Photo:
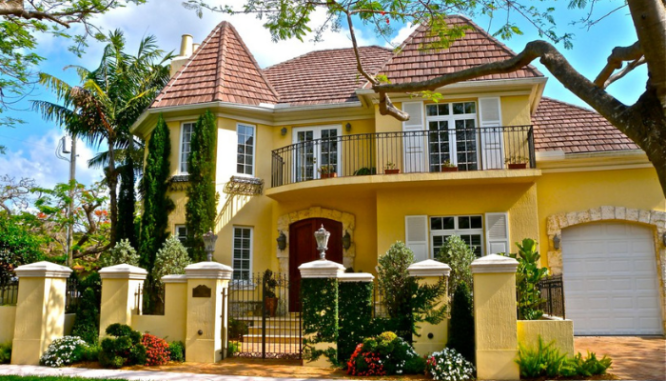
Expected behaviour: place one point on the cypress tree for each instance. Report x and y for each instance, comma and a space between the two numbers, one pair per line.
156, 202
461, 332
126, 202
201, 204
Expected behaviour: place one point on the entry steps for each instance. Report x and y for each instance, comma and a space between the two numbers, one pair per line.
280, 330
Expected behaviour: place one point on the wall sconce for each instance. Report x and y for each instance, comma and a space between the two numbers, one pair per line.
348, 127
556, 242
346, 240
283, 131
282, 241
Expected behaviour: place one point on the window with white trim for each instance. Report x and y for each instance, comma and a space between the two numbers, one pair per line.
245, 151
468, 228
452, 136
181, 233
242, 253
185, 145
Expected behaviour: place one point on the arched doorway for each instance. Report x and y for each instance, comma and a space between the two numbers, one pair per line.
303, 249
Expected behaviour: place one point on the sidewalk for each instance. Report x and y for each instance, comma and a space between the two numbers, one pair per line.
30, 370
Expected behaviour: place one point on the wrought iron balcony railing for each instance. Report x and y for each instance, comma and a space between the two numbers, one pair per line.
468, 149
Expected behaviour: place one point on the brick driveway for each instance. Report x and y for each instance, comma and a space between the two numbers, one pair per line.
634, 358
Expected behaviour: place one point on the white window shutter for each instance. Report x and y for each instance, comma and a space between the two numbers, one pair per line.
497, 233
414, 145
492, 135
415, 111
416, 236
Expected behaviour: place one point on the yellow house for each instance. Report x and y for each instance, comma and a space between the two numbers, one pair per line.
302, 144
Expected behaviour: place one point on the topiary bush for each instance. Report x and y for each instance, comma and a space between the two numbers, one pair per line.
5, 352
64, 351
177, 351
449, 365
157, 350
459, 257
122, 253
384, 354
172, 258
124, 348
461, 332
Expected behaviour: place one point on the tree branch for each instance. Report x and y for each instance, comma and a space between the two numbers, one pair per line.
631, 66
616, 59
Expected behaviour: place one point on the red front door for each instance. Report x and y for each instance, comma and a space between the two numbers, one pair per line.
303, 249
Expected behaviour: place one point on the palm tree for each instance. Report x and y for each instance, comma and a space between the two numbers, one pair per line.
108, 101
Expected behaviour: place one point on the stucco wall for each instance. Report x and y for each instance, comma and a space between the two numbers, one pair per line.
558, 331
7, 320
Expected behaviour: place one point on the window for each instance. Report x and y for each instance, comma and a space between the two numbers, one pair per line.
452, 135
181, 233
245, 154
185, 145
242, 253
468, 228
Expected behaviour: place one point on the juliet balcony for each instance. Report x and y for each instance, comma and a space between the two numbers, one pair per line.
403, 152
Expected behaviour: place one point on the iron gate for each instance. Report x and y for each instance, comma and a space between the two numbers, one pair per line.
260, 321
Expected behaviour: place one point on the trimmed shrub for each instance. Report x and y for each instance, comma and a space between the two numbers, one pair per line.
384, 355
91, 352
157, 350
459, 257
5, 353
449, 365
124, 348
461, 332
177, 351
64, 351
86, 324
122, 253
354, 316
397, 287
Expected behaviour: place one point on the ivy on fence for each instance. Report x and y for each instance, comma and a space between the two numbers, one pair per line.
320, 317
355, 316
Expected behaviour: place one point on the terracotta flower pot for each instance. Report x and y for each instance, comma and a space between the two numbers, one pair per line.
518, 166
449, 169
392, 171
328, 175
271, 305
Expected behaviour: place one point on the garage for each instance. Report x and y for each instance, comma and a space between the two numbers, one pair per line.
610, 279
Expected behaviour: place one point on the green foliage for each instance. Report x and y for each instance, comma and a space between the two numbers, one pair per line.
319, 298
5, 352
546, 360
156, 203
91, 352
86, 323
237, 328
528, 276
126, 203
461, 332
123, 348
201, 207
64, 351
384, 354
234, 347
122, 253
448, 364
18, 246
177, 351
171, 259
355, 306
459, 257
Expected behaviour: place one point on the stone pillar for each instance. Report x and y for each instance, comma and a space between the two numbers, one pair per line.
311, 272
40, 310
495, 317
433, 336
120, 290
206, 329
175, 305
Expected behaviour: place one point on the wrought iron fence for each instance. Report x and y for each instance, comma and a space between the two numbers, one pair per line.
73, 294
264, 317
460, 149
9, 292
552, 291
150, 303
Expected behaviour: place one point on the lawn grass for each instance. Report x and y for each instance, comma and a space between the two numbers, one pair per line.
51, 378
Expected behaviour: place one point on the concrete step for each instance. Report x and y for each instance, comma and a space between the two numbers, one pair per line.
272, 339
292, 331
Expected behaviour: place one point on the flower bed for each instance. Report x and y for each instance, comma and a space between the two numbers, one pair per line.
384, 355
449, 365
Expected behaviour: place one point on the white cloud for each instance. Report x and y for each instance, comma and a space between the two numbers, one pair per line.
402, 35
41, 164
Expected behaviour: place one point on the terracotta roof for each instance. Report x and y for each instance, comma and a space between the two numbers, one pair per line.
324, 76
476, 48
222, 69
573, 129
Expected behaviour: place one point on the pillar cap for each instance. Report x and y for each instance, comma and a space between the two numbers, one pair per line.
42, 269
174, 278
208, 270
355, 277
429, 267
123, 271
494, 263
321, 268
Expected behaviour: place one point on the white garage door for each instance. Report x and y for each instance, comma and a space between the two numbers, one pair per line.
610, 279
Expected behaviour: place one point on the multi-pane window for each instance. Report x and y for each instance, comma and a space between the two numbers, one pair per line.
468, 228
452, 135
181, 233
185, 145
245, 153
242, 253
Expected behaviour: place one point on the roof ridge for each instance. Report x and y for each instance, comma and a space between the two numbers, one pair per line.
220, 68
322, 50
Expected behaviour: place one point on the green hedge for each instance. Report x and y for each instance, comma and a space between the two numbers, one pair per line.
320, 316
355, 316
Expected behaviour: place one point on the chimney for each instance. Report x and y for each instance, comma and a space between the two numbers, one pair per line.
186, 50
186, 45
195, 47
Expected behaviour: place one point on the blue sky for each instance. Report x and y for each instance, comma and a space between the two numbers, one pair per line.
30, 147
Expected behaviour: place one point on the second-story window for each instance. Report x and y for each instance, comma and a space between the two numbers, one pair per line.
185, 145
245, 152
452, 137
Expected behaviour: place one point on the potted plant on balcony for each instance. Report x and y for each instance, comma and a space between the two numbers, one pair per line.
327, 171
517, 162
270, 298
447, 166
390, 168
